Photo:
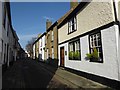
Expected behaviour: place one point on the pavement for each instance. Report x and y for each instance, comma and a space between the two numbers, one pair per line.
34, 74
75, 80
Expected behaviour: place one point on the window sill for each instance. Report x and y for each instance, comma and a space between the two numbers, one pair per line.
75, 59
96, 60
72, 32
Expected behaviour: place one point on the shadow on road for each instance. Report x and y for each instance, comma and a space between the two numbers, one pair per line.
28, 73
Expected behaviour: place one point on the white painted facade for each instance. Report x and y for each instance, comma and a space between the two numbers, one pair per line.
8, 37
119, 35
4, 37
0, 33
109, 68
42, 48
94, 15
0, 45
33, 51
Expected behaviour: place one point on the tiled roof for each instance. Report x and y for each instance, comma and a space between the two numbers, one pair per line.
63, 17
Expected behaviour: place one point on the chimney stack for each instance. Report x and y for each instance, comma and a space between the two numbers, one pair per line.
73, 3
48, 24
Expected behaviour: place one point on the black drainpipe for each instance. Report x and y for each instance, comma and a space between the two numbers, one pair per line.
115, 12
118, 23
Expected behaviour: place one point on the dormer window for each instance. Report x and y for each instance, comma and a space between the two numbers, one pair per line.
72, 25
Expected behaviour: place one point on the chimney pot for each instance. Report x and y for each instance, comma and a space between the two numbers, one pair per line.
48, 24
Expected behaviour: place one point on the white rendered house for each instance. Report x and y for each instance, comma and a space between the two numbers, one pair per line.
42, 47
92, 25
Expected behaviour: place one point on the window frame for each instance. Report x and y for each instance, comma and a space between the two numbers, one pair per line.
52, 53
73, 43
71, 24
52, 34
98, 47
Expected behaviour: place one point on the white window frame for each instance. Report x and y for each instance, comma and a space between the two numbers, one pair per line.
73, 48
95, 42
52, 53
71, 23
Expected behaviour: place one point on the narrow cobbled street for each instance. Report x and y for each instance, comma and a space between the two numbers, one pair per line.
29, 74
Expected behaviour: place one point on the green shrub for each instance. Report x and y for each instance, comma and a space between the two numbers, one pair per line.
76, 55
89, 55
71, 55
93, 55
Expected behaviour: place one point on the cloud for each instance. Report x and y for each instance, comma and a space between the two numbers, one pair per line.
27, 37
45, 17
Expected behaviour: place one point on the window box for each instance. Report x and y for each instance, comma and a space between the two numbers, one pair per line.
74, 50
96, 60
71, 55
95, 45
93, 57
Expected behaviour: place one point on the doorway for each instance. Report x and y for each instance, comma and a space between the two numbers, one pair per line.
62, 56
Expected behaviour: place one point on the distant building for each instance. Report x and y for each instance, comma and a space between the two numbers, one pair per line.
42, 47
28, 55
36, 48
51, 43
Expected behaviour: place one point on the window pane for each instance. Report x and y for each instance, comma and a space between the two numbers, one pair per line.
75, 27
99, 43
74, 50
72, 25
95, 42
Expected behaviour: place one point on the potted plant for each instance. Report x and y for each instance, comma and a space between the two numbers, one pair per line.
93, 56
76, 55
71, 55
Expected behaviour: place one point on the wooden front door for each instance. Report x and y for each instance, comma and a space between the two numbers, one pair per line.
62, 56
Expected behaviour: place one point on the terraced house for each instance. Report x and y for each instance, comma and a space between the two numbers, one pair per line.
51, 43
9, 45
36, 45
41, 48
88, 39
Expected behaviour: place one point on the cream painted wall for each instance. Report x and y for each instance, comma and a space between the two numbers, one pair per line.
94, 15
